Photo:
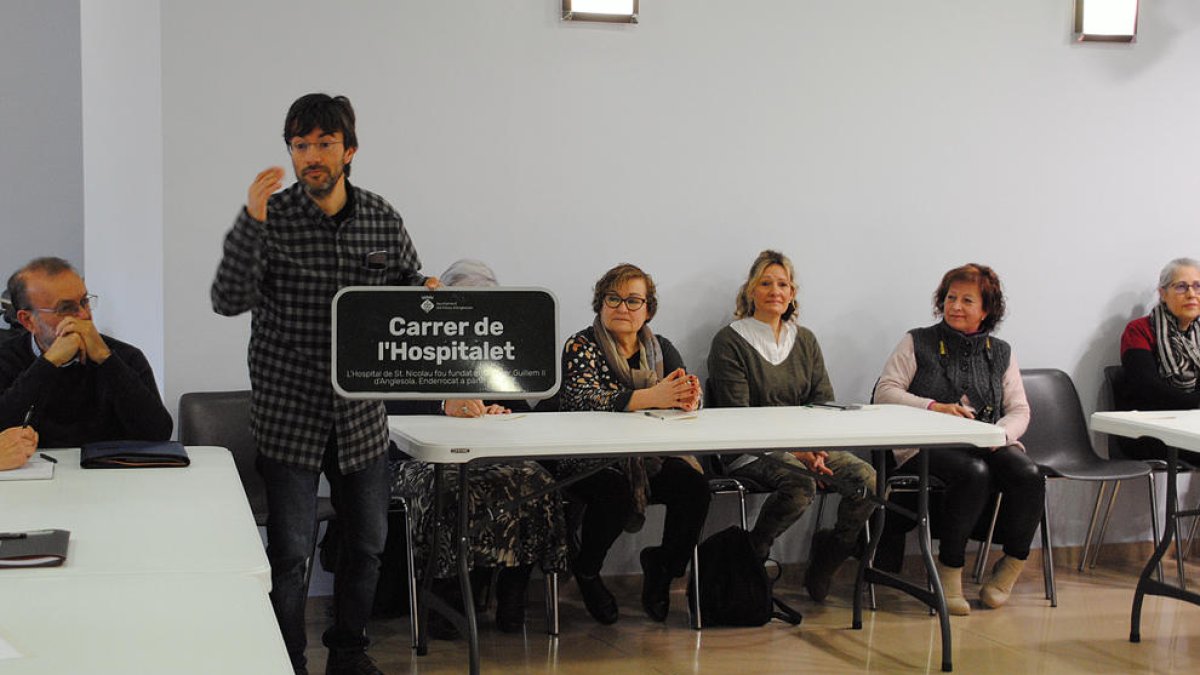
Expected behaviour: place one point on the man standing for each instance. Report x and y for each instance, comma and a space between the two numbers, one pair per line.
285, 258
64, 378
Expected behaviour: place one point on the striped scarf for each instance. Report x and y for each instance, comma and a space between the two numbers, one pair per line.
1177, 352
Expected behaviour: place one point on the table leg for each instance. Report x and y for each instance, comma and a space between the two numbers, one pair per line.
425, 595
933, 596
464, 567
1147, 585
877, 519
939, 596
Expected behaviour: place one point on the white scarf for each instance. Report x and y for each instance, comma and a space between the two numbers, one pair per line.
762, 338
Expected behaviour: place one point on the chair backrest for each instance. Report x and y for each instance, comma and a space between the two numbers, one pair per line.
1116, 391
1058, 433
222, 418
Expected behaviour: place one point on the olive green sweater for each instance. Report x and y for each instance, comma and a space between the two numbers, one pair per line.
739, 376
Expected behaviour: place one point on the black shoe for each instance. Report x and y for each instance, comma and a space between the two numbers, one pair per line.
599, 601
826, 556
656, 584
350, 663
511, 584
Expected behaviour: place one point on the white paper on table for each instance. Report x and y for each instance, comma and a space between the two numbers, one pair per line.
37, 468
8, 651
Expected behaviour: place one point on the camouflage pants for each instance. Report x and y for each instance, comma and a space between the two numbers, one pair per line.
792, 493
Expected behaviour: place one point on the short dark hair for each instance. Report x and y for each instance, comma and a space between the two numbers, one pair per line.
619, 275
18, 291
989, 291
328, 113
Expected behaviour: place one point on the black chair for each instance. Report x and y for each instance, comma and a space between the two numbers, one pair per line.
222, 418
1122, 447
1058, 440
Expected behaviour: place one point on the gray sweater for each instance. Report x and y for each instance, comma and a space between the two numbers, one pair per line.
739, 376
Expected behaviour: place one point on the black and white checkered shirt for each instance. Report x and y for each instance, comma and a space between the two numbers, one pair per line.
286, 272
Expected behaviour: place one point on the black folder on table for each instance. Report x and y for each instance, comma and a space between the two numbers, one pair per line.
133, 455
40, 548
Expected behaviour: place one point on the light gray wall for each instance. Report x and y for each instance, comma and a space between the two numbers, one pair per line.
41, 173
123, 169
877, 143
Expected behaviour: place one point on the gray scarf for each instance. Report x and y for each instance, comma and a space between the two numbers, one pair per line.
1177, 352
648, 373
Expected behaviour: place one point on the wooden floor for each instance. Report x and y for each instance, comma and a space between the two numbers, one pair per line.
1087, 632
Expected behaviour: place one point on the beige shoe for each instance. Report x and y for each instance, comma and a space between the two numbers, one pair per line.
995, 592
951, 578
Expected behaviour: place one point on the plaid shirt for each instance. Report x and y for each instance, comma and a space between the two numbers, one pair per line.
286, 272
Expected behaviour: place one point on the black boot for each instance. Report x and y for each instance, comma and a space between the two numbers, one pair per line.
825, 556
599, 601
511, 584
656, 584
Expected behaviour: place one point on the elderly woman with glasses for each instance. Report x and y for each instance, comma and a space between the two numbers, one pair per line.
765, 358
957, 367
619, 364
1161, 351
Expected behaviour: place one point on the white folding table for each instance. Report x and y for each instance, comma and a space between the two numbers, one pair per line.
165, 573
180, 624
192, 520
1175, 429
458, 441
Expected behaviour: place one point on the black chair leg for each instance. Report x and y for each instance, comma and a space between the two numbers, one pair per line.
985, 547
1048, 556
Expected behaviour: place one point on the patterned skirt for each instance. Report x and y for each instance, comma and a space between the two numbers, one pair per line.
532, 533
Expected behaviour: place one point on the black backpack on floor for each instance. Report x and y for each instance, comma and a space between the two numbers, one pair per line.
735, 589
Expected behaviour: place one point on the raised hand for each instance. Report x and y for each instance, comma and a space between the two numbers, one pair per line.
265, 184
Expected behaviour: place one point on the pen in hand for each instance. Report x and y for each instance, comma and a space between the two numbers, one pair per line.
28, 417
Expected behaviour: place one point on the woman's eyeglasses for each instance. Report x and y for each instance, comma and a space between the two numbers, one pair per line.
1181, 287
632, 303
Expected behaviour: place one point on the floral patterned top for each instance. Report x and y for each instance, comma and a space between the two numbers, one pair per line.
589, 384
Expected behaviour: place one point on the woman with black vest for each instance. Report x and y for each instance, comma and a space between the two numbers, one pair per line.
958, 368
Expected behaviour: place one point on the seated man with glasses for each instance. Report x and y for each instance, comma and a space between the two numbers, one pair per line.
66, 380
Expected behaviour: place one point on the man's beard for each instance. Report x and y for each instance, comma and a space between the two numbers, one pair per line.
322, 189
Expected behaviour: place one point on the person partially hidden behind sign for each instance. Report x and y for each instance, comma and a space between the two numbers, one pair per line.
511, 539
765, 358
64, 378
619, 364
17, 445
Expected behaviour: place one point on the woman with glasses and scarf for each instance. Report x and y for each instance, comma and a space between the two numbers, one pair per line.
1161, 352
958, 368
619, 364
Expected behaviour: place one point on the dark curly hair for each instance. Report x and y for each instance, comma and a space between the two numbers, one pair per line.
619, 275
989, 291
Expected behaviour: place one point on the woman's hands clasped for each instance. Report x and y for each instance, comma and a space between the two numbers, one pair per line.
677, 390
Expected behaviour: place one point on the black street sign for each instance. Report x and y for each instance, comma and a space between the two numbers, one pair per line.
412, 343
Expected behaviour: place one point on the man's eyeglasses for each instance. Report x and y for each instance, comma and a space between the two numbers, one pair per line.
1181, 287
632, 303
301, 147
70, 307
